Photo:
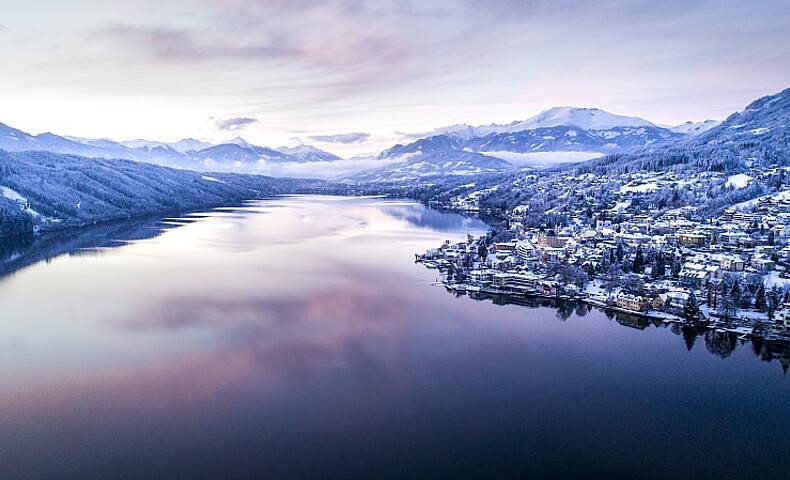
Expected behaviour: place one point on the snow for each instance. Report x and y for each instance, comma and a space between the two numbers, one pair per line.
621, 206
692, 128
759, 131
643, 188
778, 196
13, 195
211, 179
773, 278
584, 118
738, 181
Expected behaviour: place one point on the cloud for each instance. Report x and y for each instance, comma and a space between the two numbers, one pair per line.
2, 28
345, 45
353, 137
234, 124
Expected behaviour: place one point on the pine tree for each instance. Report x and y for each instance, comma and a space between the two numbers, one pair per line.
735, 293
691, 309
639, 261
760, 302
676, 266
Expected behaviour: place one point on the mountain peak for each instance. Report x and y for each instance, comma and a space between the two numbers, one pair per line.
695, 128
584, 118
239, 141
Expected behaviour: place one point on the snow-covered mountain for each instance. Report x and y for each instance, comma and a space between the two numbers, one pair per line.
237, 155
181, 146
308, 153
564, 138
190, 145
430, 163
695, 128
574, 134
234, 155
583, 118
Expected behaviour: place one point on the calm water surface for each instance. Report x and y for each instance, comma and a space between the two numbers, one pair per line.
296, 338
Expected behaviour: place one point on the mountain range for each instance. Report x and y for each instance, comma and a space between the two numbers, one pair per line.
234, 156
555, 136
695, 171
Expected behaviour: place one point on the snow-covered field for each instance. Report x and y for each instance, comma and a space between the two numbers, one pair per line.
738, 181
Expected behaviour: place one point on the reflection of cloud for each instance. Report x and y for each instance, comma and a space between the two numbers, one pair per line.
234, 124
353, 137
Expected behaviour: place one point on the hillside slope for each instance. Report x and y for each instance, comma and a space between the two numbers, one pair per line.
44, 191
757, 136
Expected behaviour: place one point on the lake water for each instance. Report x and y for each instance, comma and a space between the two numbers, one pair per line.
296, 338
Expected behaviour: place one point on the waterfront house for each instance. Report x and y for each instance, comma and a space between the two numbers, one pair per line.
636, 303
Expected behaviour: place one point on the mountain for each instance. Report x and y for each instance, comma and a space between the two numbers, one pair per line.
307, 153
545, 139
695, 128
756, 136
406, 166
582, 118
696, 173
44, 190
190, 145
566, 138
587, 132
235, 155
14, 140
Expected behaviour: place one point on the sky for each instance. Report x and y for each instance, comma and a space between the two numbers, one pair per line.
354, 76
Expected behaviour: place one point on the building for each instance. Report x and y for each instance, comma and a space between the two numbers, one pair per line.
733, 264
762, 264
515, 282
634, 303
692, 239
553, 241
525, 250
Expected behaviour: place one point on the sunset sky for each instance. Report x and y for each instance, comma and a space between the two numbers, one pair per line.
352, 76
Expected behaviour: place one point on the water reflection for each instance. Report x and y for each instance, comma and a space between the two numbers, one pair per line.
18, 253
296, 338
718, 342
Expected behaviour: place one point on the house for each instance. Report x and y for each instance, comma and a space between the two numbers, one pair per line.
636, 303
733, 264
676, 302
692, 239
553, 241
694, 274
762, 264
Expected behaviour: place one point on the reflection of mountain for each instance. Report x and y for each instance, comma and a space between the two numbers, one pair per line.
420, 216
16, 254
719, 343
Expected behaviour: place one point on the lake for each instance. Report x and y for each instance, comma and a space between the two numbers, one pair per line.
297, 338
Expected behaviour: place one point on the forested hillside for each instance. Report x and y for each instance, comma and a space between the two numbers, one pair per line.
44, 191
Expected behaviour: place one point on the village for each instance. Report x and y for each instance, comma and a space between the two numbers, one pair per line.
729, 273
